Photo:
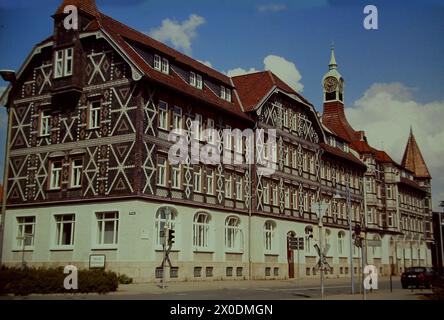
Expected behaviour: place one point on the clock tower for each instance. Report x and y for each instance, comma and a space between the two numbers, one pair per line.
333, 83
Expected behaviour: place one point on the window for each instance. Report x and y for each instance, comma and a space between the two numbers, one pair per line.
239, 188
286, 156
229, 271
228, 139
157, 62
177, 118
63, 63
163, 115
176, 176
295, 200
209, 272
94, 115
233, 233
294, 123
197, 272
161, 172
192, 79
229, 186
76, 173
197, 179
266, 193
285, 112
210, 131
239, 271
45, 123
201, 228
269, 235
275, 195
25, 231
294, 159
165, 66
308, 237
210, 182
225, 93
287, 198
198, 127
65, 229
163, 216
389, 192
341, 236
199, 82
107, 228
55, 179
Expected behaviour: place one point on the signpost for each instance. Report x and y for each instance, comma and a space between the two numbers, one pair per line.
320, 208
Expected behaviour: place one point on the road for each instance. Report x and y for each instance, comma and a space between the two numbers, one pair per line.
261, 291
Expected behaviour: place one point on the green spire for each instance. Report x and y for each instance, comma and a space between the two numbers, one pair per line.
333, 64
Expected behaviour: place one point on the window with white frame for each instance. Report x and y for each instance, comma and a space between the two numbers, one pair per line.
76, 173
177, 118
197, 179
165, 66
266, 193
210, 131
341, 236
285, 112
269, 228
192, 79
287, 156
161, 171
295, 200
176, 176
45, 123
94, 115
25, 232
275, 195
239, 144
233, 234
63, 63
239, 188
163, 115
201, 229
228, 139
55, 174
294, 159
199, 82
225, 93
287, 198
210, 181
107, 228
228, 186
65, 228
198, 127
162, 217
157, 62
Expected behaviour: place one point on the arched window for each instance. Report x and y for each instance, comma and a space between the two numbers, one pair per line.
233, 233
201, 227
341, 236
269, 227
165, 218
327, 236
308, 238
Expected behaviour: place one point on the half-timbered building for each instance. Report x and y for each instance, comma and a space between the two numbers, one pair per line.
88, 173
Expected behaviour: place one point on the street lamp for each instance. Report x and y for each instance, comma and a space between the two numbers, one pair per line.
320, 208
440, 235
347, 197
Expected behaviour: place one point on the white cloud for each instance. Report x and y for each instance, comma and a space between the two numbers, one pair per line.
284, 69
239, 71
386, 112
179, 34
207, 63
271, 7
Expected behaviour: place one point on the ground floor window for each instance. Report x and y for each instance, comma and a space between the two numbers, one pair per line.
65, 229
25, 231
107, 228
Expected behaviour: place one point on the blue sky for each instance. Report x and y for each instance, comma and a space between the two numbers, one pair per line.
407, 49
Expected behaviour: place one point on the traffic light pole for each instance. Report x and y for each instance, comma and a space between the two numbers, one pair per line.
165, 241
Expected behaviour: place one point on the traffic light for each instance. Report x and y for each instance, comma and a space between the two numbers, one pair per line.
357, 230
171, 236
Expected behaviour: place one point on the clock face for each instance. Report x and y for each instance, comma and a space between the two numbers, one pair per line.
330, 84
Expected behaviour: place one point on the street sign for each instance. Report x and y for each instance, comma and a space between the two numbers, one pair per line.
296, 243
374, 243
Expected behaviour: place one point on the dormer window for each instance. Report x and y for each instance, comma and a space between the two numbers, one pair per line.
161, 64
63, 63
196, 80
94, 115
225, 93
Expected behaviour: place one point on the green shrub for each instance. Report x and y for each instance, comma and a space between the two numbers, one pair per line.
50, 281
124, 279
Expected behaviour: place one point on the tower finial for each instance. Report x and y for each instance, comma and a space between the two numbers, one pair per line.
333, 64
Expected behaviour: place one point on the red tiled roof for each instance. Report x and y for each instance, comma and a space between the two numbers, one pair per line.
88, 6
253, 87
413, 159
121, 34
344, 155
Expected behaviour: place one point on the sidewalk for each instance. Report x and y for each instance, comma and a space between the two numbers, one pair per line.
397, 294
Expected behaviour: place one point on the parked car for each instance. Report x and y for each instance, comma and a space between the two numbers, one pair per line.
418, 277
